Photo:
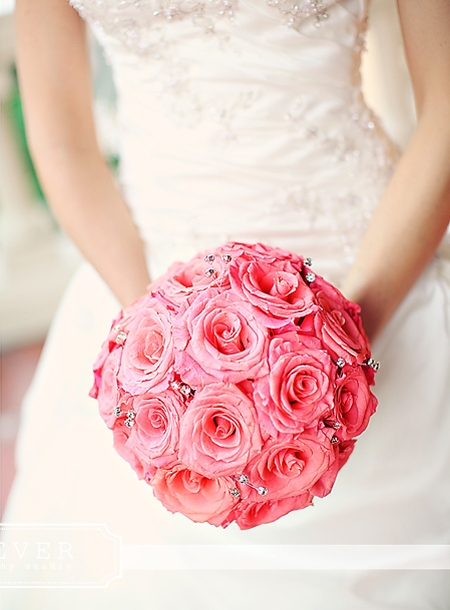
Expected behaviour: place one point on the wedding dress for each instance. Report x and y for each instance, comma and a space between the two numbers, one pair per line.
244, 120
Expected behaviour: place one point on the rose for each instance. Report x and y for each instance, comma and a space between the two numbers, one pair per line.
198, 497
324, 485
276, 289
258, 251
299, 387
354, 403
221, 333
108, 392
155, 432
148, 351
251, 514
338, 324
289, 465
184, 280
219, 431
121, 435
107, 347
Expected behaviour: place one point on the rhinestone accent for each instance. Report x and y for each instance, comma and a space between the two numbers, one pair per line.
129, 423
374, 364
308, 261
175, 385
210, 272
121, 337
336, 425
334, 439
131, 414
243, 478
186, 390
209, 258
340, 362
263, 491
227, 258
310, 276
235, 492
117, 412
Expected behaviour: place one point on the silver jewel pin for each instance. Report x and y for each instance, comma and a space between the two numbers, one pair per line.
121, 337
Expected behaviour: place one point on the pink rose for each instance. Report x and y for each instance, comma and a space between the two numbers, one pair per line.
184, 280
219, 431
154, 435
198, 497
277, 290
223, 335
108, 346
108, 393
289, 466
339, 327
354, 403
259, 251
248, 515
299, 387
148, 351
324, 485
121, 435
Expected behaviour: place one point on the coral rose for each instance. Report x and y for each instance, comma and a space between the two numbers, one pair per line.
155, 432
188, 492
219, 431
148, 352
299, 387
222, 333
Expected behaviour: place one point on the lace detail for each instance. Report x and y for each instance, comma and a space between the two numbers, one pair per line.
133, 24
295, 12
343, 145
203, 12
130, 22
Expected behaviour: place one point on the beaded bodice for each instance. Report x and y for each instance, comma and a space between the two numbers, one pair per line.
243, 119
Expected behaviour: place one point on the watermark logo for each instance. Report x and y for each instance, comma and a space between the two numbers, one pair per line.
59, 555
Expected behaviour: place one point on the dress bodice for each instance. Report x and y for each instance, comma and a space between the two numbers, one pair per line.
243, 119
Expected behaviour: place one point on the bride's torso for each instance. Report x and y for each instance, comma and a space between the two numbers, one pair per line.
244, 119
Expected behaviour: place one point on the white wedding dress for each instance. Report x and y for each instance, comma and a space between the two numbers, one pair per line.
244, 120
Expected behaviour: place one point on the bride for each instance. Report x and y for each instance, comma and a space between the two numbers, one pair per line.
243, 120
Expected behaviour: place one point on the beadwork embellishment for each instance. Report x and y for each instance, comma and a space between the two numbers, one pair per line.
297, 11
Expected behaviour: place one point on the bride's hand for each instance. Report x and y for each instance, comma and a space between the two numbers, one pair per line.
414, 212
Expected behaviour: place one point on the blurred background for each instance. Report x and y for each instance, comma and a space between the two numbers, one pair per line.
37, 260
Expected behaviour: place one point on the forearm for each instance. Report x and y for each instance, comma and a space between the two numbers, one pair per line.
407, 226
55, 84
88, 205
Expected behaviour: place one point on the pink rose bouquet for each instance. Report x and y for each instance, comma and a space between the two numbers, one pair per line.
237, 385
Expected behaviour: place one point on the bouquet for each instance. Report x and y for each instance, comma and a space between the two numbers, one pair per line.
237, 385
